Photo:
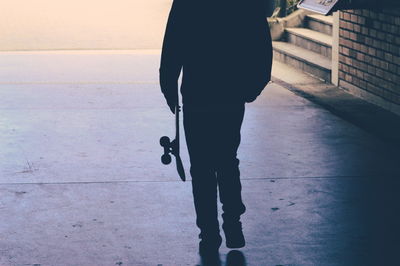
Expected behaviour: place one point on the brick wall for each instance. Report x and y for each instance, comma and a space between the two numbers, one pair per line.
369, 55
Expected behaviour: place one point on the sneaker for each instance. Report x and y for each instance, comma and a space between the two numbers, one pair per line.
209, 246
234, 235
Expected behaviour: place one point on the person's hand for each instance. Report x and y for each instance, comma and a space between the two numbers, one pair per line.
171, 105
172, 101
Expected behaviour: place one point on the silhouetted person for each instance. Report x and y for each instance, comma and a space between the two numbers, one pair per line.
224, 49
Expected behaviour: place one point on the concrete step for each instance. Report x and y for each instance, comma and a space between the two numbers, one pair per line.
319, 23
311, 40
310, 62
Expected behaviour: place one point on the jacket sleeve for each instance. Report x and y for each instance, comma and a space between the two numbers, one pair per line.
261, 74
171, 57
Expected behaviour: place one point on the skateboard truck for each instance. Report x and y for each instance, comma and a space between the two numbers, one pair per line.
172, 147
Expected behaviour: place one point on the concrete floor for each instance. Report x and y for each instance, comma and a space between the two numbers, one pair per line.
81, 181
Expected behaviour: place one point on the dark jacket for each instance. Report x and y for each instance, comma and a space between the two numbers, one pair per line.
224, 48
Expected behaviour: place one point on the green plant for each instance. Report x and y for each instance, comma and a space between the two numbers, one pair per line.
283, 8
292, 6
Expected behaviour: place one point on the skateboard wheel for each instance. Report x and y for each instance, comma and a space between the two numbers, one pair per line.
166, 159
165, 141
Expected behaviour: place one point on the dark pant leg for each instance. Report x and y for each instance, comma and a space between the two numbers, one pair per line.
200, 140
213, 137
228, 174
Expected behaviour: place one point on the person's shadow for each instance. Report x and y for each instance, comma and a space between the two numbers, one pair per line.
234, 258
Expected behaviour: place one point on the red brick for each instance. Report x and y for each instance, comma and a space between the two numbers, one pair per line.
371, 51
389, 57
360, 56
379, 72
381, 35
356, 46
346, 51
388, 76
376, 62
396, 60
354, 18
389, 38
364, 48
363, 84
365, 31
346, 34
348, 61
350, 26
380, 54
373, 15
377, 25
368, 59
355, 37
373, 33
384, 46
371, 69
361, 20
362, 65
356, 81
375, 43
369, 41
384, 65
348, 78
374, 89
360, 73
397, 81
394, 49
393, 68
358, 37
348, 43
353, 71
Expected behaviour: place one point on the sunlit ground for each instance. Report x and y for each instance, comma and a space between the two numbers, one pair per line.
82, 24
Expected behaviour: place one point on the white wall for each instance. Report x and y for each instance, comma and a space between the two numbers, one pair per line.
82, 24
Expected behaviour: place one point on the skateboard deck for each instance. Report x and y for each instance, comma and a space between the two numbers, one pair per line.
173, 147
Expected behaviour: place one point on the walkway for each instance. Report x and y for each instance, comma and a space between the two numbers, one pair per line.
81, 181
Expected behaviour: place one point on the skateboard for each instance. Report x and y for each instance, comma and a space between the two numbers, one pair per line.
172, 147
